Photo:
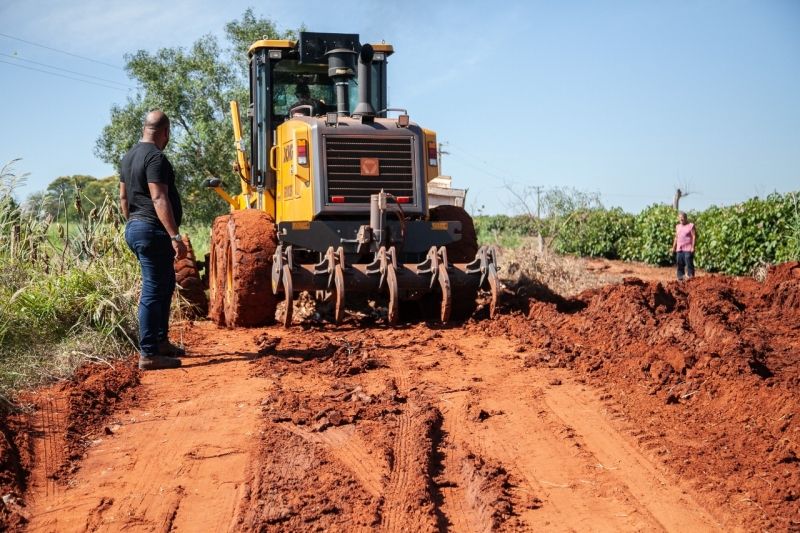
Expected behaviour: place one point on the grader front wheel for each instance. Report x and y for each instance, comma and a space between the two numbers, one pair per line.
216, 270
464, 250
248, 296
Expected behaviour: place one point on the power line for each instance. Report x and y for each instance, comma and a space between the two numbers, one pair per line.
483, 163
61, 51
481, 170
62, 75
65, 70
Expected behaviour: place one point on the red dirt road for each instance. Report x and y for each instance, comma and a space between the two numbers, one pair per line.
445, 431
176, 458
637, 407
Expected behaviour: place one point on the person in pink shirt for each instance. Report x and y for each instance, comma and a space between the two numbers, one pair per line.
683, 246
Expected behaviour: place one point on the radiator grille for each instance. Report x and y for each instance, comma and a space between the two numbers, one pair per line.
343, 163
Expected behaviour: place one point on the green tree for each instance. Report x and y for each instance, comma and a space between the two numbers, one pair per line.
62, 193
194, 87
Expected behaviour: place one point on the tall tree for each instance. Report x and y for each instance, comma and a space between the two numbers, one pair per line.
194, 87
60, 197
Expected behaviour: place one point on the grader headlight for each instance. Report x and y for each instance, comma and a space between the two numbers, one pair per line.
302, 152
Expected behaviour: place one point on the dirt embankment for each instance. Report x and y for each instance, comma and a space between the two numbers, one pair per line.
53, 431
707, 373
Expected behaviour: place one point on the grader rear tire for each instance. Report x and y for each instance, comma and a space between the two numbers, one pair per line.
188, 284
216, 270
252, 240
462, 251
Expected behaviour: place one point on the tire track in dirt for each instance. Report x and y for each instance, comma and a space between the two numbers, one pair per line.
408, 500
472, 499
507, 414
175, 461
649, 486
455, 494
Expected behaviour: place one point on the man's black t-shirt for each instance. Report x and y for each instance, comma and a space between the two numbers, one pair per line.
143, 164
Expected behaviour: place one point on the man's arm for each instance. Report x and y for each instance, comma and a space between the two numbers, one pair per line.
159, 194
123, 200
694, 236
675, 242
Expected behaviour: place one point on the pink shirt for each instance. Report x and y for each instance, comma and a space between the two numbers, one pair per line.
683, 233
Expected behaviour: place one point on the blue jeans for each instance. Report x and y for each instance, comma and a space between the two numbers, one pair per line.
153, 248
685, 261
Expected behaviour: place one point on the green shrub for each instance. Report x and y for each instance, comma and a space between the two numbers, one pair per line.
594, 232
650, 238
737, 238
732, 239
503, 230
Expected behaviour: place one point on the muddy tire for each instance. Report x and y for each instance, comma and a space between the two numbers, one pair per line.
216, 270
188, 284
248, 296
462, 251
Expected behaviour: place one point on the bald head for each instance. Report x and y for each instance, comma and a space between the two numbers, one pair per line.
156, 128
156, 121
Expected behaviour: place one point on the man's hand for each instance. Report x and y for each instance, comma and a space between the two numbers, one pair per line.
180, 249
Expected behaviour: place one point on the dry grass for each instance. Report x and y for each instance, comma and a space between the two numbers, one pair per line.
68, 297
564, 275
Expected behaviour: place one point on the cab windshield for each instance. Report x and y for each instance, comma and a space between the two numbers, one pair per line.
295, 84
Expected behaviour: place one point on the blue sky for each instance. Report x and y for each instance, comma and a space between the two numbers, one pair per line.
628, 99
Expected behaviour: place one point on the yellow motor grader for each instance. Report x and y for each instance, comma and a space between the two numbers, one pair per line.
334, 194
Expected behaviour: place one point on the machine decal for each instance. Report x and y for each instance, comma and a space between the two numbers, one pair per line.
288, 192
439, 226
288, 152
370, 166
301, 225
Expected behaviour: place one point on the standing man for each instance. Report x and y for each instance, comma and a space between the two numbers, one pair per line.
683, 246
151, 205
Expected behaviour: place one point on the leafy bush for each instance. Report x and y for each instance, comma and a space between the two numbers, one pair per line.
504, 230
650, 238
737, 238
732, 239
594, 232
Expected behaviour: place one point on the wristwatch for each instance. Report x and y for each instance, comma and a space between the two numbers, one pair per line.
177, 237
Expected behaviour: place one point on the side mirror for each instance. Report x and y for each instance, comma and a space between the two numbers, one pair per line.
213, 183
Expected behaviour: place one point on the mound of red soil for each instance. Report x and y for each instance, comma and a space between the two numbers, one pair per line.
94, 393
711, 368
59, 426
15, 463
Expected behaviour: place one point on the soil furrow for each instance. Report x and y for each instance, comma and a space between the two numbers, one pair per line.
665, 501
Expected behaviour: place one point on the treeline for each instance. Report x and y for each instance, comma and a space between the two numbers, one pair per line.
732, 239
67, 198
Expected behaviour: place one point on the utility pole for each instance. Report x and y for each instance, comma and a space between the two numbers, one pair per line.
441, 153
539, 238
538, 189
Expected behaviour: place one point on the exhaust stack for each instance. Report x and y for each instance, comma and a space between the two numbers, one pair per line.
364, 108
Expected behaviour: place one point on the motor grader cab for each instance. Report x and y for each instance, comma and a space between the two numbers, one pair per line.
334, 194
